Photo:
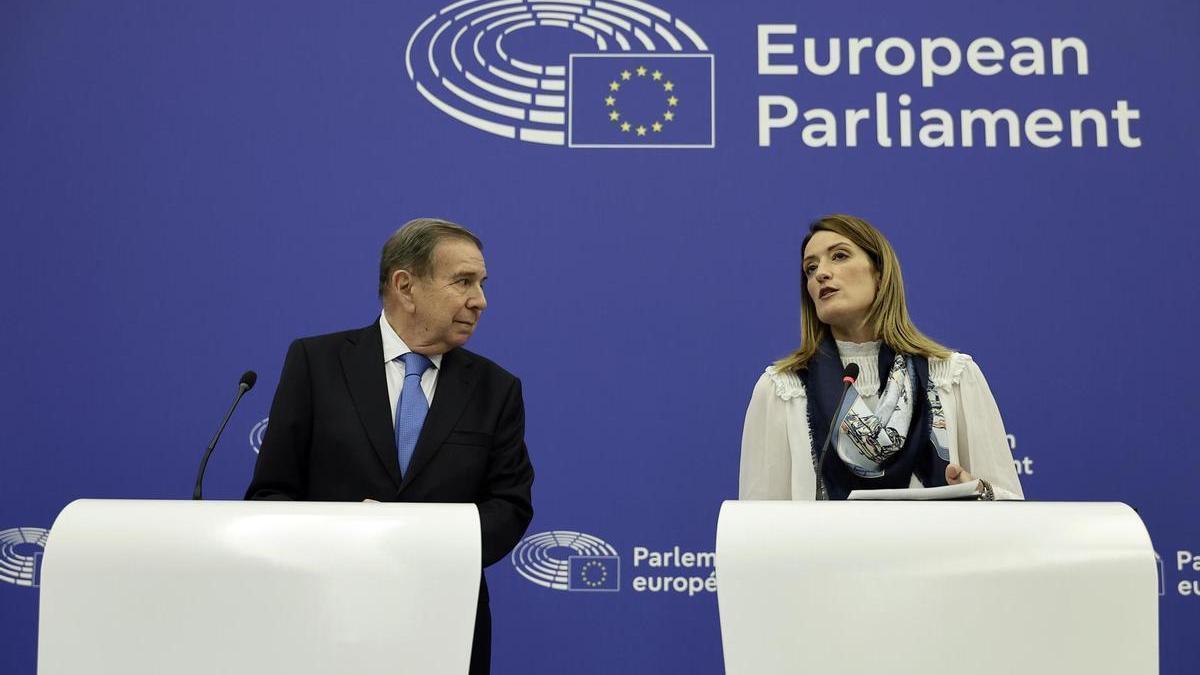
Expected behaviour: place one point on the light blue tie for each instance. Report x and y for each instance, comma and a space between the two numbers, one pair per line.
410, 408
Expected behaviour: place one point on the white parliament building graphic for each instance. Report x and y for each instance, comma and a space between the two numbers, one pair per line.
257, 432
629, 75
20, 553
565, 560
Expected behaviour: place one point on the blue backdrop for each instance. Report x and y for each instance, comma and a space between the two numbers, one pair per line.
185, 187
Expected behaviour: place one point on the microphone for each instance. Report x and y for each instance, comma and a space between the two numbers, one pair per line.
849, 375
244, 385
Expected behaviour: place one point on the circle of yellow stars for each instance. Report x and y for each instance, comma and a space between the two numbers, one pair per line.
626, 126
587, 579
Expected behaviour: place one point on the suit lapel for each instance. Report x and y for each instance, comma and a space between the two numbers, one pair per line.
455, 383
362, 362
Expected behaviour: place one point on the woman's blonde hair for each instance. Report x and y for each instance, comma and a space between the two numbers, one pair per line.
888, 316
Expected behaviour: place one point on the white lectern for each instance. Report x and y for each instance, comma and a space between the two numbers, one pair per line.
200, 587
908, 588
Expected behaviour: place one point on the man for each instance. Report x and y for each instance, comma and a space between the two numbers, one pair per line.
348, 425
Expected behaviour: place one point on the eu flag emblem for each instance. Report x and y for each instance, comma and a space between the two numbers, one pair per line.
594, 573
641, 100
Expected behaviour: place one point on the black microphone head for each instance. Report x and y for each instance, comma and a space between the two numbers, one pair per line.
250, 377
850, 374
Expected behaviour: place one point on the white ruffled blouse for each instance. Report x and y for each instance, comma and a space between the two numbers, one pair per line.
777, 449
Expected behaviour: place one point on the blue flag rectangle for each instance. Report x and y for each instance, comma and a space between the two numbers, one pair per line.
594, 573
641, 100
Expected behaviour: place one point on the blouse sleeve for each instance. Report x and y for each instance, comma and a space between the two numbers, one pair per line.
982, 442
765, 471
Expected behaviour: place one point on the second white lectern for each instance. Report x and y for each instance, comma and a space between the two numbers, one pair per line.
931, 588
207, 588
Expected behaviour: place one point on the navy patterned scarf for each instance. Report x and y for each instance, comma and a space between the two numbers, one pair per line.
919, 455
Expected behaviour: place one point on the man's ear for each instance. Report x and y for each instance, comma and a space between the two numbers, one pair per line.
401, 285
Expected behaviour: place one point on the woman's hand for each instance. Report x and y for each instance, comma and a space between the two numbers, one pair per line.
955, 474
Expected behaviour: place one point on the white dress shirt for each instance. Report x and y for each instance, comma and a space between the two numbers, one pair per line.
393, 349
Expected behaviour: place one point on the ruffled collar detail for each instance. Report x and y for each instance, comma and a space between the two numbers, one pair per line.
787, 384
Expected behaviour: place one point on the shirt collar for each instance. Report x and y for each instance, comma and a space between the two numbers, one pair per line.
394, 347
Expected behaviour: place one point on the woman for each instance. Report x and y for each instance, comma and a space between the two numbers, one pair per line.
918, 415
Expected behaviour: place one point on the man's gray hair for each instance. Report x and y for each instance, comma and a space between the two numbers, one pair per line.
411, 247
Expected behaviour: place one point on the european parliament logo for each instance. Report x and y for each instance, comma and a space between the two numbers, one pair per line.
568, 561
256, 434
21, 551
610, 73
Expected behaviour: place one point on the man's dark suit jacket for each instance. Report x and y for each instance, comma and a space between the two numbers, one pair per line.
331, 438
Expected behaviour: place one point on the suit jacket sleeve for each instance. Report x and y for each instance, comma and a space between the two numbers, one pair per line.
505, 504
281, 472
